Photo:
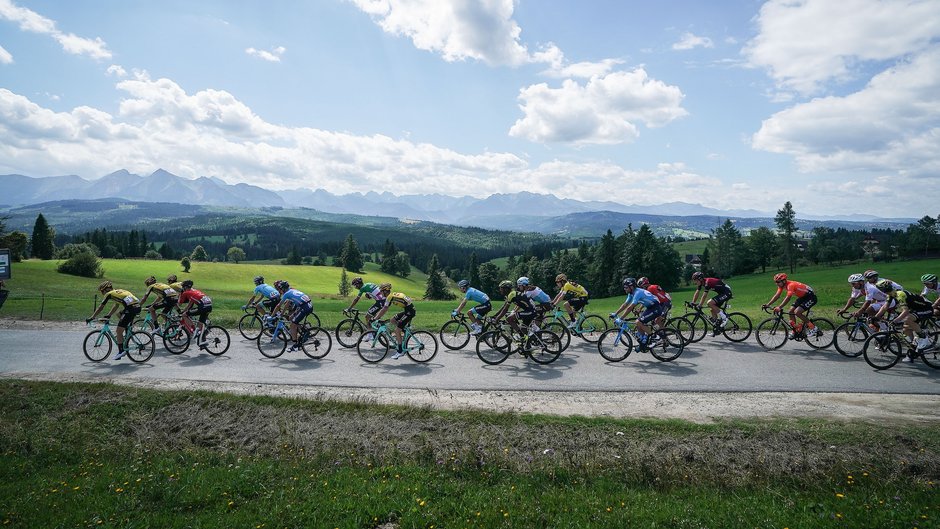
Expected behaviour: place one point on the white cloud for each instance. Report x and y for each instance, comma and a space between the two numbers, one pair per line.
584, 70
458, 29
116, 70
5, 57
31, 21
271, 56
605, 110
891, 125
806, 43
690, 41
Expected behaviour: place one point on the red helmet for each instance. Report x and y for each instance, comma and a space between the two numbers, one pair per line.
780, 277
643, 282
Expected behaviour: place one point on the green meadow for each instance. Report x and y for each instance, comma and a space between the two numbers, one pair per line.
36, 287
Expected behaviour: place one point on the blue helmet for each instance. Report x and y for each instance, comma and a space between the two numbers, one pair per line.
463, 283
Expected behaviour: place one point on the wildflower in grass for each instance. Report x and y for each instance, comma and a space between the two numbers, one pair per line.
840, 495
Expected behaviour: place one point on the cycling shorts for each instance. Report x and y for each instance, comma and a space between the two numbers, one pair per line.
923, 315
270, 303
376, 307
403, 318
806, 302
127, 315
651, 313
481, 309
301, 312
578, 303
722, 295
202, 311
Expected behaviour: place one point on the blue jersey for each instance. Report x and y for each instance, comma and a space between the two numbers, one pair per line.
642, 297
296, 297
477, 296
266, 290
538, 295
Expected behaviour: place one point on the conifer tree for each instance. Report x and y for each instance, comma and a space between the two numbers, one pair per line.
42, 245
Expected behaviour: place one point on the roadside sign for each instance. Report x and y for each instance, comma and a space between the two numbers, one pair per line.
5, 263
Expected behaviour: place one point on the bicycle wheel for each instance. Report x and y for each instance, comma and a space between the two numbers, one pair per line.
348, 332
455, 335
250, 326
97, 346
684, 326
217, 340
932, 328
273, 346
176, 339
615, 345
142, 325
771, 333
931, 358
493, 347
825, 333
592, 327
738, 327
699, 325
139, 346
667, 344
850, 337
421, 346
371, 348
883, 349
547, 347
313, 319
315, 341
560, 330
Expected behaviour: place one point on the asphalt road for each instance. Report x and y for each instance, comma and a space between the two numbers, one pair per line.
714, 365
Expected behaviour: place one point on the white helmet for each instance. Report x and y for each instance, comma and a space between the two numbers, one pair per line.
855, 278
522, 281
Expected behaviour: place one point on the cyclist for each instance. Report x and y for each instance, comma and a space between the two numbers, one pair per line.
476, 313
123, 299
717, 303
931, 288
664, 298
805, 299
174, 283
536, 296
195, 303
874, 298
857, 281
268, 296
914, 309
653, 309
371, 291
524, 311
575, 296
167, 298
400, 320
300, 306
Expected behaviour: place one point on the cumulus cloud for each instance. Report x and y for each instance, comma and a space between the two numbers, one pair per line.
690, 41
804, 44
31, 21
5, 57
116, 70
271, 56
583, 70
605, 110
891, 125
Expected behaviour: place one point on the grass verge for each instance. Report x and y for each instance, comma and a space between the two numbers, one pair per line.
93, 455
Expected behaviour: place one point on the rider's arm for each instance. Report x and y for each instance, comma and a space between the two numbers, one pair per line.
695, 295
782, 303
902, 316
460, 307
354, 301
621, 309
775, 298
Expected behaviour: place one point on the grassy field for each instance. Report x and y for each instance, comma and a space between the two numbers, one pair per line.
229, 285
79, 455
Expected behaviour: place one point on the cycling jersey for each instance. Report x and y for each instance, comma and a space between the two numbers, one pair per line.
913, 302
397, 298
119, 295
571, 289
371, 291
162, 290
660, 294
873, 294
267, 291
795, 288
642, 297
297, 297
477, 296
927, 290
712, 283
519, 300
537, 295
197, 297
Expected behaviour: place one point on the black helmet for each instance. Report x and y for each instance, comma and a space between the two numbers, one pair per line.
697, 275
629, 282
150, 280
187, 284
356, 282
463, 283
505, 284
259, 280
171, 278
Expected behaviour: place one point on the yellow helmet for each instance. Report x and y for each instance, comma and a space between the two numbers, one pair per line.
105, 285
150, 280
385, 287
561, 278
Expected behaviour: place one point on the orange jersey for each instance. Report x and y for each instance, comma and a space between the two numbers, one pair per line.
795, 288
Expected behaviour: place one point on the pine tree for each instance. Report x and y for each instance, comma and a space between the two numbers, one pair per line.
403, 267
605, 265
436, 285
473, 270
344, 286
786, 224
389, 263
42, 244
350, 257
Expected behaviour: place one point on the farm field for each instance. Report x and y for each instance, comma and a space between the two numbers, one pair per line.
71, 298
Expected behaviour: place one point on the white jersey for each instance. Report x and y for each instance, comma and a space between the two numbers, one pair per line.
857, 292
873, 294
927, 290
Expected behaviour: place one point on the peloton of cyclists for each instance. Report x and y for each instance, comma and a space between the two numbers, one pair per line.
875, 299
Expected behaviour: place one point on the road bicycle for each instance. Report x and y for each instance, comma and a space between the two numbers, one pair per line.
349, 330
496, 345
314, 341
773, 332
736, 328
138, 346
615, 345
253, 322
151, 325
589, 327
884, 349
850, 337
182, 331
455, 334
374, 344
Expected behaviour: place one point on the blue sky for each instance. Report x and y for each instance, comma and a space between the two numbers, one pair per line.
834, 106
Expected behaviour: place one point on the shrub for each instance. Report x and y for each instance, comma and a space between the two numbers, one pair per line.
70, 250
84, 264
153, 255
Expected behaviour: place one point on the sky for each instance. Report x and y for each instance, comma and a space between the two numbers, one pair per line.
834, 106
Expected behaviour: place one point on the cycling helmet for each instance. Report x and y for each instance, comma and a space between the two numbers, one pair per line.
870, 274
105, 285
629, 282
780, 277
698, 275
187, 284
150, 280
284, 285
928, 278
561, 278
522, 281
505, 284
259, 280
171, 278
855, 278
643, 282
463, 283
884, 285
356, 282
385, 287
